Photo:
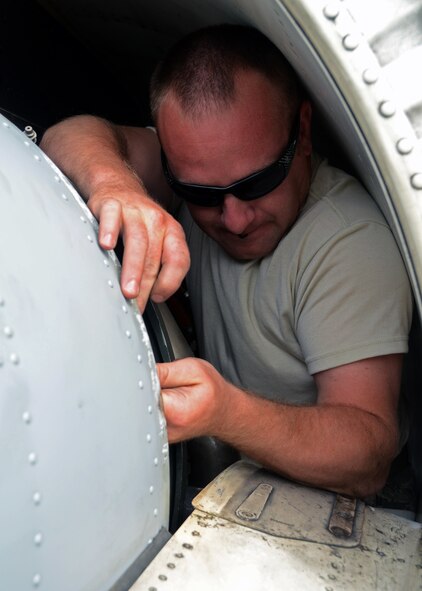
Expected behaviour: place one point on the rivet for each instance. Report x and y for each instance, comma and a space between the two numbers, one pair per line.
6, 124
155, 461
155, 512
8, 332
140, 384
124, 308
196, 533
111, 284
162, 577
36, 580
83, 219
14, 358
139, 358
149, 438
32, 458
332, 10
351, 41
187, 546
37, 157
416, 180
106, 263
149, 409
150, 541
57, 178
387, 108
64, 197
151, 490
171, 565
36, 497
404, 146
90, 238
26, 417
370, 76
179, 555
152, 588
1, 361
27, 143
38, 539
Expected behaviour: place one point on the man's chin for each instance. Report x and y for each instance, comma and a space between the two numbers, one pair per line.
242, 251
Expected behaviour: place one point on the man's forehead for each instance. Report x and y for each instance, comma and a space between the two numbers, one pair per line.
251, 87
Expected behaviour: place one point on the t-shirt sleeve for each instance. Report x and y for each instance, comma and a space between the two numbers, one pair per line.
353, 299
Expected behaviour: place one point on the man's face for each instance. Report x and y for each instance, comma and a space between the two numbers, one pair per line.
220, 148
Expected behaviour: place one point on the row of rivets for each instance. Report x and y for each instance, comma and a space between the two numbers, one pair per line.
171, 566
386, 108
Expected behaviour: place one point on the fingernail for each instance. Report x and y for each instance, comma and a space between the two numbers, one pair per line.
131, 287
107, 240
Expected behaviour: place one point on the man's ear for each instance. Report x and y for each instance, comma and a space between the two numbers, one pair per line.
305, 140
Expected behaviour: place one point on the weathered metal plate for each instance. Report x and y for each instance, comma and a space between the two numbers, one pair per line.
209, 553
242, 494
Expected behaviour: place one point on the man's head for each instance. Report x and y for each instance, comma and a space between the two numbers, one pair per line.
225, 102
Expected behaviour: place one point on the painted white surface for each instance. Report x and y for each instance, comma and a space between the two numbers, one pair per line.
83, 449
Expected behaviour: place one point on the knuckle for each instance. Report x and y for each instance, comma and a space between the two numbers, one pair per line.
158, 217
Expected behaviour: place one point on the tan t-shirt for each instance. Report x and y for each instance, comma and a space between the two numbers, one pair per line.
334, 291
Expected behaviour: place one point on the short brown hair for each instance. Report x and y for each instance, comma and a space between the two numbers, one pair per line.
200, 69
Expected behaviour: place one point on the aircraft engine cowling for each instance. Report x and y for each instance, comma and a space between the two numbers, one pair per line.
83, 447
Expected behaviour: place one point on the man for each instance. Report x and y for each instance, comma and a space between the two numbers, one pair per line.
300, 299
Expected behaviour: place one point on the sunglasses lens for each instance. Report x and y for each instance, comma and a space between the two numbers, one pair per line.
206, 197
261, 185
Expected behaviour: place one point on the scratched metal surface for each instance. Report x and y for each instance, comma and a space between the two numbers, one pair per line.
213, 552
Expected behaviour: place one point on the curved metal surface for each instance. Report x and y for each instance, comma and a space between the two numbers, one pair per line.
83, 447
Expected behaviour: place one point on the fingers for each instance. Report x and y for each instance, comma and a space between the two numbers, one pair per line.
176, 373
136, 241
156, 256
175, 263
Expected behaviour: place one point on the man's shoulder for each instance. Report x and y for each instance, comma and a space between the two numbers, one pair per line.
334, 194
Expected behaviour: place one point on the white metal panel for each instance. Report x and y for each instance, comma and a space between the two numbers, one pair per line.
83, 448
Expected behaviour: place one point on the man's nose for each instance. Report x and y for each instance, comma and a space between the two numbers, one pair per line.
236, 214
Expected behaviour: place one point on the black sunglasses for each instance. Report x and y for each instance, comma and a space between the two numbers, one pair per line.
255, 185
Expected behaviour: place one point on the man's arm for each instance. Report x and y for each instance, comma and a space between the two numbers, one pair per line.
345, 442
106, 163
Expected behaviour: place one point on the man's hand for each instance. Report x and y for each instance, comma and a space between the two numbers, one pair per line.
106, 163
194, 398
156, 256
